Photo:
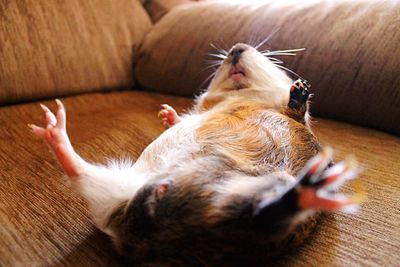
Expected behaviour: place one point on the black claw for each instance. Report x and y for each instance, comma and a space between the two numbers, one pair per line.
299, 94
308, 177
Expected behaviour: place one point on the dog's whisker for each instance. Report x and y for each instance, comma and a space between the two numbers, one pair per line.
289, 70
267, 38
220, 50
208, 78
221, 56
275, 60
213, 61
292, 51
210, 67
279, 54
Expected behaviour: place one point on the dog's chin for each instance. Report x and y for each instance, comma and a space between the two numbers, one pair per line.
237, 85
232, 84
237, 76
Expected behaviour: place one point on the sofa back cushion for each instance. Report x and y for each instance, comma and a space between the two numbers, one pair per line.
53, 48
352, 57
158, 8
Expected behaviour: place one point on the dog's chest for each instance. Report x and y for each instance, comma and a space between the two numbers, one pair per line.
247, 137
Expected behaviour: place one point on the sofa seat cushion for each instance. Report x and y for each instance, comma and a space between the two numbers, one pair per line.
43, 222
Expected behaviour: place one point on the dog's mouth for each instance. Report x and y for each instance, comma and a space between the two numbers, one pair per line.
237, 72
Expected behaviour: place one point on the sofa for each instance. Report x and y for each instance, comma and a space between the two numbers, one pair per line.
113, 63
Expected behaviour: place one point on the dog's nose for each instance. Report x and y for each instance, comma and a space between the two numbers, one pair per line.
235, 53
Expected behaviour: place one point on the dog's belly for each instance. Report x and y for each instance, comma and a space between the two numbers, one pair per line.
257, 141
254, 142
176, 145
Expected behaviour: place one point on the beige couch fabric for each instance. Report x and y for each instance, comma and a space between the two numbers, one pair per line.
53, 48
44, 223
352, 56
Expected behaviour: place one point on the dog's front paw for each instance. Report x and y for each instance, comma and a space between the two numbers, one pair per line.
168, 115
299, 94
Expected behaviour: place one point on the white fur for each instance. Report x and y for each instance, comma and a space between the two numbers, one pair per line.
261, 76
106, 187
176, 144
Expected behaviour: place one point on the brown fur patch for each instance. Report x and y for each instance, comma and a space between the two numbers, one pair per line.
255, 139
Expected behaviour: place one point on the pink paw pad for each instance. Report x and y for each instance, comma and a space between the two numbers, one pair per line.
55, 135
168, 115
320, 182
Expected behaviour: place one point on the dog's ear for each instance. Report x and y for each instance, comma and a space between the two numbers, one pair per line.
162, 189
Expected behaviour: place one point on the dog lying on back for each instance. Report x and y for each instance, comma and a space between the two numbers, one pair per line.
228, 180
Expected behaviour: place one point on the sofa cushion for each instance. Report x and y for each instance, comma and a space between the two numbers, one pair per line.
158, 8
352, 57
53, 48
43, 222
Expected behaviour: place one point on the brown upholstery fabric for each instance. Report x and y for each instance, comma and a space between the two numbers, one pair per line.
53, 48
352, 57
158, 8
42, 222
